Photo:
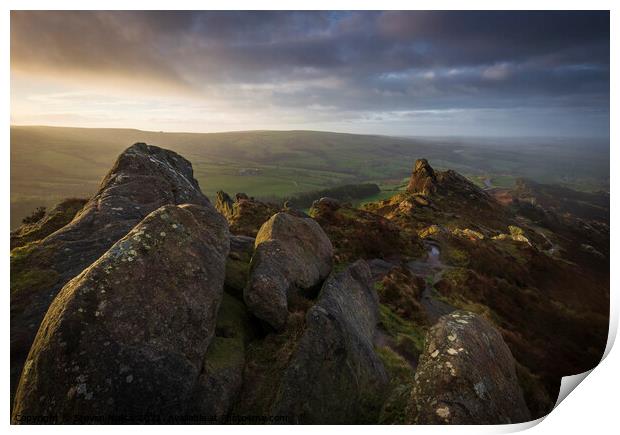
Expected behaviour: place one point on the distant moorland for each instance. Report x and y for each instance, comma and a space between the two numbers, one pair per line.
49, 164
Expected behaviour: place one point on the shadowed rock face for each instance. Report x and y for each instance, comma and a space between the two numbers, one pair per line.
335, 376
292, 255
128, 335
143, 179
238, 264
466, 375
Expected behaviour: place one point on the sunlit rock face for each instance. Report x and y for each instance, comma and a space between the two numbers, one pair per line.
423, 179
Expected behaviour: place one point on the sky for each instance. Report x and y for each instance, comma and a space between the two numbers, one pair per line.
395, 73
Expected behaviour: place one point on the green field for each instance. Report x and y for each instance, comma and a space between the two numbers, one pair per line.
52, 163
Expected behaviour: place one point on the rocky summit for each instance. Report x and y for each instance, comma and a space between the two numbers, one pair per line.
445, 303
423, 179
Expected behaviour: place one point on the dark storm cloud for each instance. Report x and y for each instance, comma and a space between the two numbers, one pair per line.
345, 61
89, 42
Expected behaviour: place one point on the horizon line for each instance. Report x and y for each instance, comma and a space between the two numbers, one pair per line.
410, 136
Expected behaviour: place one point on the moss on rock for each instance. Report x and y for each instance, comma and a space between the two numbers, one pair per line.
398, 368
394, 410
408, 336
222, 374
266, 360
232, 332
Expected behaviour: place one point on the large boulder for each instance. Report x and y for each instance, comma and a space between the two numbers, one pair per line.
334, 375
128, 336
466, 375
292, 256
143, 179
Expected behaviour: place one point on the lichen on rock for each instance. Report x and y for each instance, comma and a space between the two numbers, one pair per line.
129, 334
143, 178
292, 255
466, 375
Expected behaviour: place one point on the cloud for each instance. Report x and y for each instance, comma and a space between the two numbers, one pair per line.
497, 72
353, 63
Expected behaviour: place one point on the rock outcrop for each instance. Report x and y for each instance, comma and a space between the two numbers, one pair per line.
53, 220
143, 179
516, 234
441, 198
128, 336
146, 286
326, 204
245, 215
333, 374
423, 179
466, 375
292, 256
427, 182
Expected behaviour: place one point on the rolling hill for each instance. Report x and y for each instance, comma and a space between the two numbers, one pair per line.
49, 164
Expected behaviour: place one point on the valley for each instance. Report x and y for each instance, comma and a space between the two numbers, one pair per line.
49, 164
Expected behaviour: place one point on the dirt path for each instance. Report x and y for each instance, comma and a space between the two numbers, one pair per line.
431, 270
